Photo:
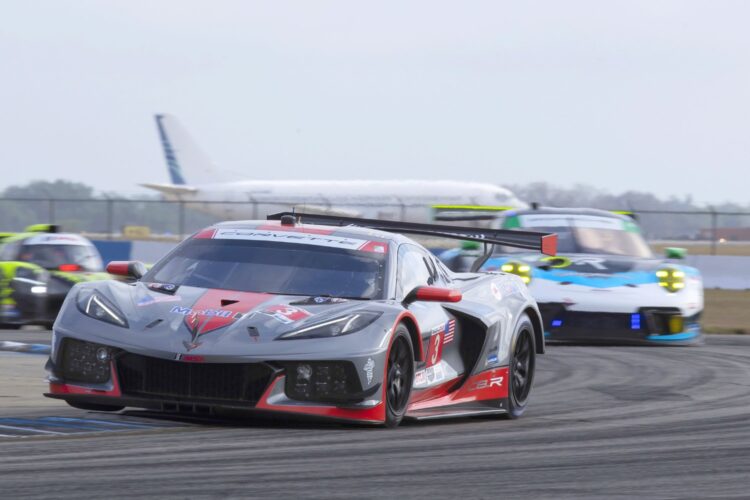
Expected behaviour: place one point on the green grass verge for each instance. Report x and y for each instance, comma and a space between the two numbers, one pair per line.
727, 311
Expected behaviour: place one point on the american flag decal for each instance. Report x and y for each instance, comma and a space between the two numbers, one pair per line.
450, 330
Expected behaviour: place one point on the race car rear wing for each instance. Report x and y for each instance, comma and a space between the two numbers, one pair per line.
545, 243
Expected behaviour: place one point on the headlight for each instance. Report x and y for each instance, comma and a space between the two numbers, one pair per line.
671, 279
335, 327
93, 304
521, 270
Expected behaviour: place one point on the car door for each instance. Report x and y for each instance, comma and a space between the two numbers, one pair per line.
417, 267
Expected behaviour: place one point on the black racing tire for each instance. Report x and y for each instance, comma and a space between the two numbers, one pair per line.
399, 376
521, 367
93, 406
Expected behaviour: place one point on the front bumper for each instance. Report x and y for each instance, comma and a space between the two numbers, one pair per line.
648, 325
190, 385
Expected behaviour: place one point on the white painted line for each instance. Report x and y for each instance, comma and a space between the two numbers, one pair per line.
29, 429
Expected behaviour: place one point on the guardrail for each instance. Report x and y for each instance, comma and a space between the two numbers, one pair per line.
105, 216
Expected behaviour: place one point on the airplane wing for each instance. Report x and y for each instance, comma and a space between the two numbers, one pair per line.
171, 189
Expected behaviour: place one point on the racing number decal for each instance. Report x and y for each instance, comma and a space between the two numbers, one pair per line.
435, 351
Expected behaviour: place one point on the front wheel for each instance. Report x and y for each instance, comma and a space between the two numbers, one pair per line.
522, 363
399, 377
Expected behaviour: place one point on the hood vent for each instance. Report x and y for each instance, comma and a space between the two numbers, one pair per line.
154, 323
228, 302
253, 332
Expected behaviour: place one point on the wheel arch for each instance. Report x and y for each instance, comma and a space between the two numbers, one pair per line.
414, 334
536, 321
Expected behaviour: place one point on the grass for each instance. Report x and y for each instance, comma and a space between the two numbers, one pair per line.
727, 311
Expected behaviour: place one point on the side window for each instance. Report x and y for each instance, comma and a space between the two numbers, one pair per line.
443, 273
9, 251
413, 269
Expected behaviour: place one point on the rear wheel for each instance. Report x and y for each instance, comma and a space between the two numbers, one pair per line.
399, 377
94, 407
522, 363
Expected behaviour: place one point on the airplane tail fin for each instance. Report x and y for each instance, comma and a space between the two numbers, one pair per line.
186, 162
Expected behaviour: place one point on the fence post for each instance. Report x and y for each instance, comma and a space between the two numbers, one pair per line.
51, 210
110, 218
181, 223
714, 231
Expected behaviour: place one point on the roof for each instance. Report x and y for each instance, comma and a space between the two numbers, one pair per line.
314, 229
567, 211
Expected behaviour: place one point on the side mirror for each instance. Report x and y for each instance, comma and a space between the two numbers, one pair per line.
130, 269
675, 253
433, 294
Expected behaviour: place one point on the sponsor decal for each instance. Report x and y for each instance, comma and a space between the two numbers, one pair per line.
450, 331
57, 239
318, 301
369, 368
149, 300
486, 383
207, 313
286, 314
509, 287
587, 221
162, 287
492, 359
496, 291
290, 237
190, 358
214, 310
429, 376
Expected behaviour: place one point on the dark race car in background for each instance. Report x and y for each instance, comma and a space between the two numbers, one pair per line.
350, 323
37, 269
604, 285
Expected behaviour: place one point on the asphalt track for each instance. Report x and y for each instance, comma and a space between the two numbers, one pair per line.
616, 422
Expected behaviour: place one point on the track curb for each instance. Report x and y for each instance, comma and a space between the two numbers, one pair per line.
7, 345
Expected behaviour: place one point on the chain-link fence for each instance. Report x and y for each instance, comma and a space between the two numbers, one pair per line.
702, 231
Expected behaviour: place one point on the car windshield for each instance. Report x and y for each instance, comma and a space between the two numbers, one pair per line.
590, 234
272, 267
62, 257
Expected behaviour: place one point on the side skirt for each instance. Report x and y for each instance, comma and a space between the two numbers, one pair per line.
490, 407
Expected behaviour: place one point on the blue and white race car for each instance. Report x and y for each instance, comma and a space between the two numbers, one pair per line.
604, 285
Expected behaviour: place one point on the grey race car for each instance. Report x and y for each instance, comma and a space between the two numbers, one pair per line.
350, 323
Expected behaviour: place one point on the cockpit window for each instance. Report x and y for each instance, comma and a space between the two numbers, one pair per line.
273, 267
588, 234
63, 257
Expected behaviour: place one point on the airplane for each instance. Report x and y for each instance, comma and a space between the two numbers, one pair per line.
196, 180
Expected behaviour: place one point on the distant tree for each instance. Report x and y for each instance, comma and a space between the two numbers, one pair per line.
55, 189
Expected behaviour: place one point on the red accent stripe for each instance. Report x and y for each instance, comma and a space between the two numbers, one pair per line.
374, 414
407, 314
549, 244
55, 388
437, 294
118, 267
374, 247
211, 301
439, 391
480, 387
205, 234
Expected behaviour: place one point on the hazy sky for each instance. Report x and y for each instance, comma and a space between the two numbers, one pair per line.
651, 95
